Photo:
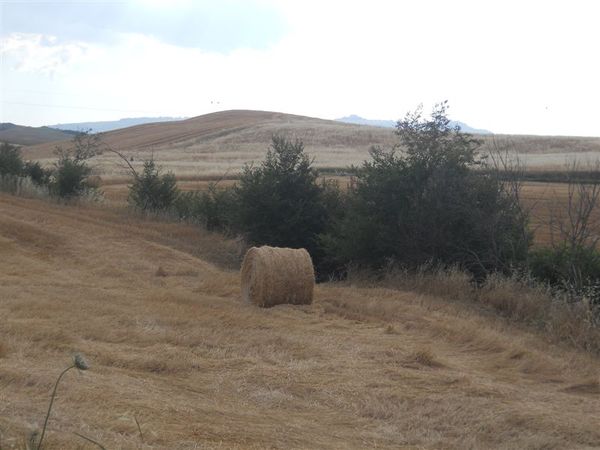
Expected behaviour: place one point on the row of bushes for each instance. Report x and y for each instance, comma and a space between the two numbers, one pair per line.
437, 204
68, 178
12, 166
424, 205
431, 204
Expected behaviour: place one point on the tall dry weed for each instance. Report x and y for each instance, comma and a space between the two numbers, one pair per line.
23, 187
518, 298
577, 323
451, 283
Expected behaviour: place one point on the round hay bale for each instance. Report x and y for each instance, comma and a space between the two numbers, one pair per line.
273, 276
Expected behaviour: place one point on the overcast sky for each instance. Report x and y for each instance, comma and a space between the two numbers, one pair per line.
529, 67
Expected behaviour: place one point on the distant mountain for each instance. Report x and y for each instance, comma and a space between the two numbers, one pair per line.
99, 127
22, 135
357, 120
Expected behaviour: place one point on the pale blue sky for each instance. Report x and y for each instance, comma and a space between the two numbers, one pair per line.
219, 26
512, 66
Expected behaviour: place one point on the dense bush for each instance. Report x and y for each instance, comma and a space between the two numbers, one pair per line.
429, 204
70, 176
280, 202
153, 191
215, 208
11, 161
14, 170
38, 175
575, 271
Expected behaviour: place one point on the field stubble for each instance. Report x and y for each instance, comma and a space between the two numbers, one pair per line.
198, 368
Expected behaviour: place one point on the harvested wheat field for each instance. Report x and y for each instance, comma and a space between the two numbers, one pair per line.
548, 203
222, 142
156, 308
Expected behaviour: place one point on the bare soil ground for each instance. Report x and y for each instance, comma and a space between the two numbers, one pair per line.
180, 352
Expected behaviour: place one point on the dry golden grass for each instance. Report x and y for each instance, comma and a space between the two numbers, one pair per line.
223, 142
523, 302
198, 368
218, 143
545, 201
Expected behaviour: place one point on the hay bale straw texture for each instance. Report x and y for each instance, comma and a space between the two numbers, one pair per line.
273, 276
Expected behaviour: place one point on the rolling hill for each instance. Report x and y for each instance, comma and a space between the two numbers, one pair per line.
103, 126
22, 135
223, 142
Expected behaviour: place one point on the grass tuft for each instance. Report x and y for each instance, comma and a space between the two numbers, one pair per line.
160, 272
424, 357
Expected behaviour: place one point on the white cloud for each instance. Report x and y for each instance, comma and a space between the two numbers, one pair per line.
29, 52
515, 67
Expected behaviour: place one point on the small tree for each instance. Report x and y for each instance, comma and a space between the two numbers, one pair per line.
71, 170
11, 161
430, 204
280, 202
11, 167
151, 190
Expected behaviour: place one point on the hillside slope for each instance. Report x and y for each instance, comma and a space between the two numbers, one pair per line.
109, 125
21, 135
223, 142
178, 350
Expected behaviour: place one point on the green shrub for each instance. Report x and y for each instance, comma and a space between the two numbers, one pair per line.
575, 271
16, 173
429, 205
153, 191
70, 177
11, 161
280, 202
215, 209
38, 175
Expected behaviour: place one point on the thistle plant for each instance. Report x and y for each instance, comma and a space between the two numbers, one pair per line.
79, 363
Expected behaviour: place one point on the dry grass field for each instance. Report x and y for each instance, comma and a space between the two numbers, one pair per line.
548, 201
223, 142
217, 143
156, 309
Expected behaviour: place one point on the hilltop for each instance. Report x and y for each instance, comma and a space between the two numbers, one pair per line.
224, 141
